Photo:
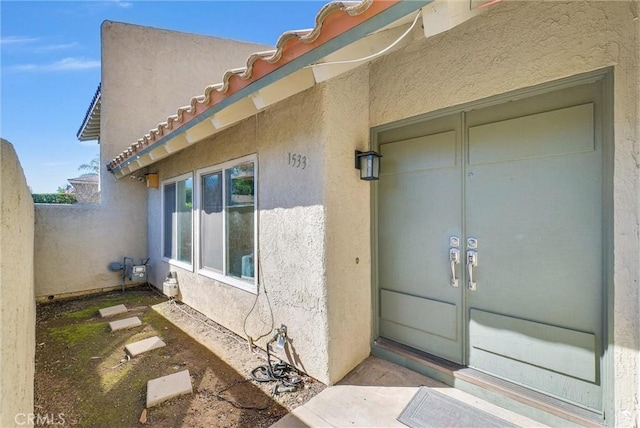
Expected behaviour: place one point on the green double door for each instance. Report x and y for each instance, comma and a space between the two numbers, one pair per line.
490, 241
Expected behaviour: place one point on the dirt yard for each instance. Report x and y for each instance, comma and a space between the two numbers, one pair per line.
84, 378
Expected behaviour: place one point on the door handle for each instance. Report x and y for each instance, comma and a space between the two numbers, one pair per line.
454, 258
472, 261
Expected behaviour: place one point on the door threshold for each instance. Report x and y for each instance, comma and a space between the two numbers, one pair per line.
535, 405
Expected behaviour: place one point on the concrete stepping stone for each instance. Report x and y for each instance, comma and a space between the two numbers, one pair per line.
125, 323
144, 345
167, 387
112, 310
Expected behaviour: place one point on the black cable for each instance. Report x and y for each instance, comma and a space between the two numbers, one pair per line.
235, 403
279, 372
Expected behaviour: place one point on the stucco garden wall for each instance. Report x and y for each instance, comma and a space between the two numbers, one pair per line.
17, 312
516, 45
146, 74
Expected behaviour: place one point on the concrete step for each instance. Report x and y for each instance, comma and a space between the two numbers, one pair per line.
125, 323
112, 310
167, 387
144, 345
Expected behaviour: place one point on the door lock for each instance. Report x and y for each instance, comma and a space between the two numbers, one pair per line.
472, 243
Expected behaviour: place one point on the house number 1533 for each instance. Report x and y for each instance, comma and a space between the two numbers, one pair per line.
297, 160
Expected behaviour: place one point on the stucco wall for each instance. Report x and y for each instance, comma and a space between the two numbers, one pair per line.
348, 213
516, 45
313, 227
291, 230
17, 312
315, 223
146, 74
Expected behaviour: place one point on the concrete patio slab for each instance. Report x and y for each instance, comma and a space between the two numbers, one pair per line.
125, 323
145, 345
167, 387
301, 417
353, 406
112, 310
374, 394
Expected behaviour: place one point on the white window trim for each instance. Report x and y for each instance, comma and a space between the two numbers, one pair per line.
251, 287
174, 262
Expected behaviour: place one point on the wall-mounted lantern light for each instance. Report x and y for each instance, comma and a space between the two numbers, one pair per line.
369, 164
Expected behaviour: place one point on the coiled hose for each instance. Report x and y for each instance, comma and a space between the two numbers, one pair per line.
280, 372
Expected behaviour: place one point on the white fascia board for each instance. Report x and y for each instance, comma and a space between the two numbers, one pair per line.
200, 131
177, 143
284, 88
443, 15
370, 45
158, 153
233, 114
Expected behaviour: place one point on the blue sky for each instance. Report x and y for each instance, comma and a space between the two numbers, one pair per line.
50, 65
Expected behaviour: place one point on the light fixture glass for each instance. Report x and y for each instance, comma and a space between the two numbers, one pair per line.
369, 165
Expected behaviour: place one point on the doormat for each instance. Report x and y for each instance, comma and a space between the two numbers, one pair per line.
432, 409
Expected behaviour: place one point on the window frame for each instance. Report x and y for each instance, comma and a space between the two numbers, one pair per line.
174, 224
223, 277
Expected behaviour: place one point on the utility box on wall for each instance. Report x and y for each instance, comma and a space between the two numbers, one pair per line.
170, 285
152, 180
138, 273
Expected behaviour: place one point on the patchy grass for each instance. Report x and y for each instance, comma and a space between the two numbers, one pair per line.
92, 310
72, 334
82, 371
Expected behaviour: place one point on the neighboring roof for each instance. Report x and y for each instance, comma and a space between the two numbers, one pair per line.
90, 128
245, 91
85, 179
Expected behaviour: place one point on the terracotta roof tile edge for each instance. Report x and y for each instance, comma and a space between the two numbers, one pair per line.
244, 73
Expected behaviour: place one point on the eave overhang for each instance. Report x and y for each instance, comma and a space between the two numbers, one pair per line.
343, 30
90, 128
